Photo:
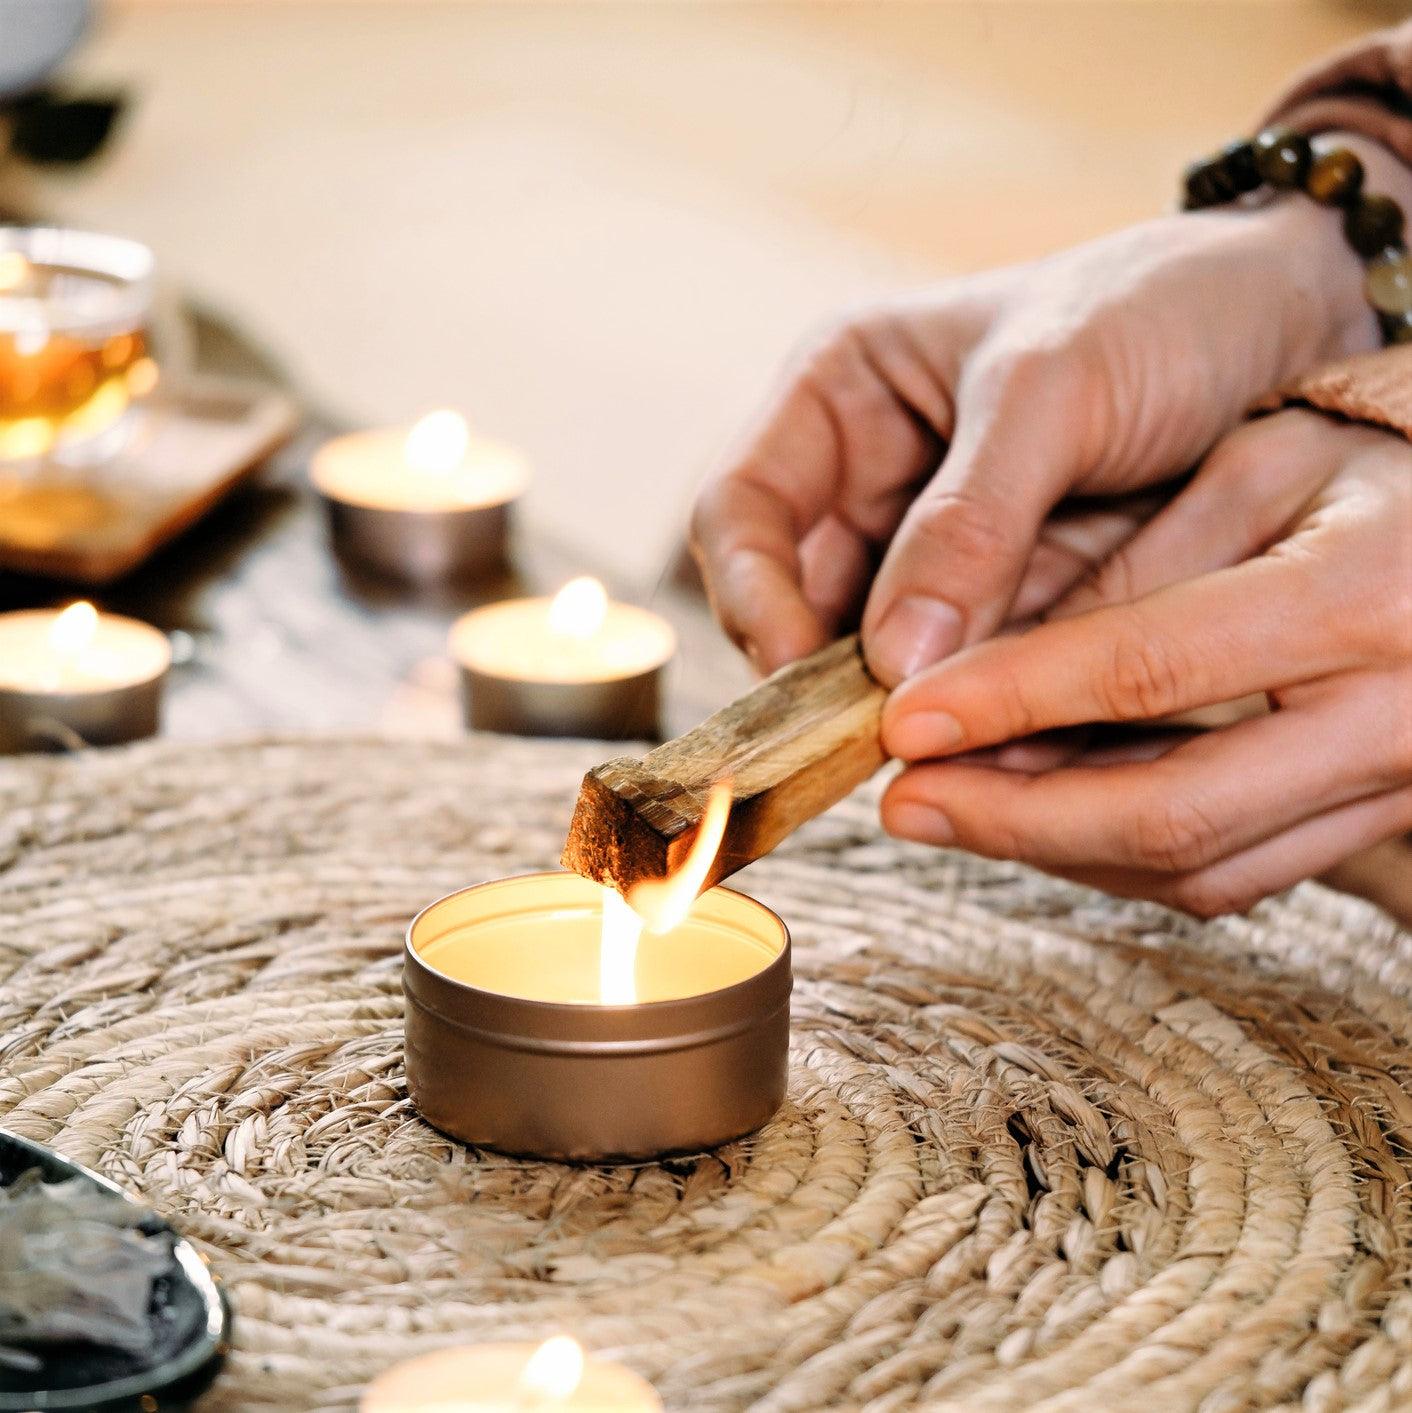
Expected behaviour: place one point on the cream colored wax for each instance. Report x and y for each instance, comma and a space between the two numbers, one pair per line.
90, 653
517, 640
541, 937
435, 466
555, 957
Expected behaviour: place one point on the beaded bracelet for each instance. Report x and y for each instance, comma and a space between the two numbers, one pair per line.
1373, 223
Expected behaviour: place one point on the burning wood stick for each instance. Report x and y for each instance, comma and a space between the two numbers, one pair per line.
798, 743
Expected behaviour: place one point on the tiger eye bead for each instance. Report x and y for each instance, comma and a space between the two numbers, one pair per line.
1236, 161
1201, 186
1282, 157
1397, 328
1372, 223
1223, 177
1335, 178
1389, 282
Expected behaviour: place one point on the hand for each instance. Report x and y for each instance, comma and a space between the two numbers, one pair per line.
936, 436
1285, 567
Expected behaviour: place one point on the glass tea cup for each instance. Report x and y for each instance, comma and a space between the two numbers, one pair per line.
75, 344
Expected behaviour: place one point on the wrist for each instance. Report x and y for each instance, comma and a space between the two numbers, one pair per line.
1326, 313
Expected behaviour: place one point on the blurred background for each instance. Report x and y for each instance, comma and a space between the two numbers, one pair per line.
598, 228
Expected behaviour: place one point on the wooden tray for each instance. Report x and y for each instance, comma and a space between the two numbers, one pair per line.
189, 451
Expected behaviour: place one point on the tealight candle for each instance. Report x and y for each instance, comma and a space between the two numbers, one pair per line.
554, 1377
572, 665
426, 503
78, 674
544, 1019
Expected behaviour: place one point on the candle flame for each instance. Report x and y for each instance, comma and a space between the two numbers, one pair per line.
72, 631
436, 445
664, 903
554, 1370
14, 270
617, 951
658, 905
579, 608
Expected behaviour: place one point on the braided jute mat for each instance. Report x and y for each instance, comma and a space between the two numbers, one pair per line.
1041, 1149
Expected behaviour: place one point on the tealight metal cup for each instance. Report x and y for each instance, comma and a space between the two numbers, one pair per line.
421, 546
36, 721
593, 1083
620, 709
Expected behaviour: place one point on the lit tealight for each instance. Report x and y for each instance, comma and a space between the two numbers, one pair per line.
78, 675
554, 1377
427, 503
576, 664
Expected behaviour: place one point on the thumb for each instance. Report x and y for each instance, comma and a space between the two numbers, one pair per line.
958, 557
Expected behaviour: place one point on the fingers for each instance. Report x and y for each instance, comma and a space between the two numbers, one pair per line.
1246, 494
1191, 807
1150, 814
853, 432
1237, 883
836, 564
952, 569
1252, 628
1072, 545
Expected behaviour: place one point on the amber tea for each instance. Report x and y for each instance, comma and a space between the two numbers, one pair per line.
74, 347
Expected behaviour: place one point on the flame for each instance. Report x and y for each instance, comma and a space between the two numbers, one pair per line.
659, 905
554, 1371
617, 951
436, 445
664, 903
14, 270
72, 631
579, 608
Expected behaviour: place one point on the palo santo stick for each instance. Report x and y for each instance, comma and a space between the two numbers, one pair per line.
798, 743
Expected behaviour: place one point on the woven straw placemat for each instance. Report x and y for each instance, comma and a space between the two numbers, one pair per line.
1041, 1149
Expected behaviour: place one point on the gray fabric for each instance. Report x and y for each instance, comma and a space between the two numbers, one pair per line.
34, 36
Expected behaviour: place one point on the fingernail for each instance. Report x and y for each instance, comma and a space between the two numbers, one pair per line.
757, 658
914, 633
910, 819
920, 735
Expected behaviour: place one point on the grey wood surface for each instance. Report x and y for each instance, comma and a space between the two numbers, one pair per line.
275, 636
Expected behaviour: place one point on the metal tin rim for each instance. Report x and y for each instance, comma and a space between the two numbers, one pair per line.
575, 686
570, 1009
74, 698
412, 514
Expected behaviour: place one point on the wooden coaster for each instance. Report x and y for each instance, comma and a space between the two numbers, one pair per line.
189, 451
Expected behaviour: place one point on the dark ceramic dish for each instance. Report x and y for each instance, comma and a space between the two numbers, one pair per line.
189, 1314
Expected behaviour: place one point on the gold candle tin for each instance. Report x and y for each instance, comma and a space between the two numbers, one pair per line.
593, 1083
